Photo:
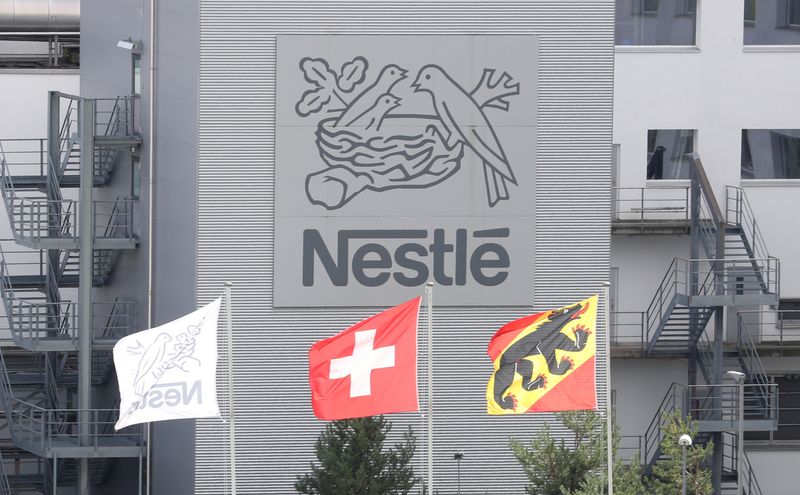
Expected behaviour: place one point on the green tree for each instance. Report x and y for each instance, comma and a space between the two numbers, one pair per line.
353, 461
575, 465
667, 478
627, 473
552, 466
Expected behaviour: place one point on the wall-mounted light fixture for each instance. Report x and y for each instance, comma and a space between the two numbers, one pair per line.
130, 45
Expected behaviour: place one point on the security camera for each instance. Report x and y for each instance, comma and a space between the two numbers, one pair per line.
685, 440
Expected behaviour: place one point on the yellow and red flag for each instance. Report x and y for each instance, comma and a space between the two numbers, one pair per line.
545, 362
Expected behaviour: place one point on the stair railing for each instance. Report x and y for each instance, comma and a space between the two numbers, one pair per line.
756, 374
713, 229
661, 304
674, 399
740, 213
5, 487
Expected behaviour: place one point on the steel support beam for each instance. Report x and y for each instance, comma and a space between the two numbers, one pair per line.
86, 235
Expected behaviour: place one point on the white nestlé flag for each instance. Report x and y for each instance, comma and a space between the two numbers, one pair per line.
169, 372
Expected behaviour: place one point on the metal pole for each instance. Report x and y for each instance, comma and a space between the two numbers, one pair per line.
609, 415
458, 474
683, 471
232, 434
429, 294
55, 474
86, 238
140, 472
740, 440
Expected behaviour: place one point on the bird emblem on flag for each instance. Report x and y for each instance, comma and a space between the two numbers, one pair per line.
545, 362
370, 140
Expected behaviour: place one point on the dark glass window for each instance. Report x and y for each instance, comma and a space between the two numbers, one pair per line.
771, 22
788, 411
668, 153
770, 154
655, 22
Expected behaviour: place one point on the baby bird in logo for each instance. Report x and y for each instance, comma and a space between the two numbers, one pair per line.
463, 117
389, 76
373, 117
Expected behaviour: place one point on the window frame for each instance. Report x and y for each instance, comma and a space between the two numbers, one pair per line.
638, 8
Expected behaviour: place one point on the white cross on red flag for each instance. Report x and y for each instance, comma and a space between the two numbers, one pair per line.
369, 368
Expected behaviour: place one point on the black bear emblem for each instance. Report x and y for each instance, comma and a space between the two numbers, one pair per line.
545, 340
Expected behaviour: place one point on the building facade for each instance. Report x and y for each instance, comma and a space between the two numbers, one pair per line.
637, 138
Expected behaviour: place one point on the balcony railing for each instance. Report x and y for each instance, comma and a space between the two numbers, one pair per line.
642, 205
773, 330
628, 330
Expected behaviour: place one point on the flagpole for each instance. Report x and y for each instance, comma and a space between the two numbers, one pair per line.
609, 415
232, 432
429, 294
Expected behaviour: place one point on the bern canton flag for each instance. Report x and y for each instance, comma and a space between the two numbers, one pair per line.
369, 368
545, 362
169, 372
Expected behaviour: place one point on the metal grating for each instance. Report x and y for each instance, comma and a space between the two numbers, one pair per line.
275, 426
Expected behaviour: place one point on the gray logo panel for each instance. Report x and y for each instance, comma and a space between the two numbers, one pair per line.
401, 159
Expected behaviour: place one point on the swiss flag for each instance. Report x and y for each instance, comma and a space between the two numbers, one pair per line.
369, 368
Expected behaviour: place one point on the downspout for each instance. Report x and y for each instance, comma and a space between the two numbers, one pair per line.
151, 186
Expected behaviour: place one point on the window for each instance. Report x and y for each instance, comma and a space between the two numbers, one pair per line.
137, 74
136, 176
645, 7
669, 153
749, 12
793, 13
772, 22
687, 7
788, 411
770, 154
654, 22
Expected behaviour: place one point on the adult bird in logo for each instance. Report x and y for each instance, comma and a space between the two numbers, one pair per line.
149, 370
389, 76
466, 122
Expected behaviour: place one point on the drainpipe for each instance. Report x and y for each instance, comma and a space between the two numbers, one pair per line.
151, 155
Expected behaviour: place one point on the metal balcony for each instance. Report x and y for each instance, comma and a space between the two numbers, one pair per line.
650, 210
61, 432
715, 408
42, 223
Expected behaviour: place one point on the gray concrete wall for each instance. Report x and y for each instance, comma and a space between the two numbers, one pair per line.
106, 71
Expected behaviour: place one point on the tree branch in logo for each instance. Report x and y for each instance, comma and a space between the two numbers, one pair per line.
371, 144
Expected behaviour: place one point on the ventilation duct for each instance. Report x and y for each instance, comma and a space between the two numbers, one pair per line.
52, 16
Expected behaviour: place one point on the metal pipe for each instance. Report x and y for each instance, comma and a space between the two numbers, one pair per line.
40, 15
609, 413
151, 143
86, 238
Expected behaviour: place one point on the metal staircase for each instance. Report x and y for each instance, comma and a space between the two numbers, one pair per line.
729, 267
684, 300
41, 273
714, 408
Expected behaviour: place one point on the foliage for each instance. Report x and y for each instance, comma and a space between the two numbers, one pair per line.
576, 466
555, 466
352, 461
667, 477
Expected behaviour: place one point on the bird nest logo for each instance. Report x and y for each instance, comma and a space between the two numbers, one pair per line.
162, 354
369, 141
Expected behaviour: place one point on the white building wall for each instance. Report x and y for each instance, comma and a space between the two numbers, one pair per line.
23, 99
718, 88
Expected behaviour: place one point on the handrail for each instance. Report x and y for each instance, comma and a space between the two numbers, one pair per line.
773, 329
660, 303
705, 188
5, 487
744, 218
752, 361
674, 399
